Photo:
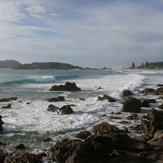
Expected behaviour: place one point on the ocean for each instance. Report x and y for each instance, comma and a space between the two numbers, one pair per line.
29, 122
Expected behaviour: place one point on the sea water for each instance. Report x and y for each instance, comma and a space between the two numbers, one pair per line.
29, 122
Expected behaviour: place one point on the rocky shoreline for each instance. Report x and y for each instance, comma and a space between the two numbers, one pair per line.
104, 143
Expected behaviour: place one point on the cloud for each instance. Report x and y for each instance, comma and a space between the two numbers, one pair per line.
107, 33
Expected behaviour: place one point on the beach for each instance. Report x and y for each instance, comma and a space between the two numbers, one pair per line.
29, 122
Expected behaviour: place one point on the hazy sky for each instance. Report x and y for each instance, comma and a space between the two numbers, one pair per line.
93, 33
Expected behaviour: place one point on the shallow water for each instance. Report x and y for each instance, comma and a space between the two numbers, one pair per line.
29, 122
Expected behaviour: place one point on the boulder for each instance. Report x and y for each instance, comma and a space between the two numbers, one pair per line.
83, 134
67, 87
52, 108
20, 146
144, 103
24, 158
131, 104
127, 92
106, 97
1, 123
152, 122
161, 106
157, 140
66, 109
8, 99
56, 99
7, 106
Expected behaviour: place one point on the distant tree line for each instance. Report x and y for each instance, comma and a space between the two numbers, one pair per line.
37, 65
147, 65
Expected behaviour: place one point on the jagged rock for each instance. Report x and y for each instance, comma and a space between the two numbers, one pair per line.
144, 103
66, 109
8, 99
52, 108
67, 87
157, 141
8, 106
161, 106
83, 134
131, 104
20, 146
56, 99
24, 158
152, 122
127, 92
132, 116
1, 123
106, 97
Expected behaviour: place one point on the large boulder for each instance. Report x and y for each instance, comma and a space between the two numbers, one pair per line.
127, 92
131, 104
152, 122
67, 87
66, 109
56, 99
106, 97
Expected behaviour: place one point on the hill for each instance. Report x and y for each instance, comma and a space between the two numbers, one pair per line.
9, 64
47, 65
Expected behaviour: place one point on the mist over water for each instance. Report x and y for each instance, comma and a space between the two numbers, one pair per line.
29, 122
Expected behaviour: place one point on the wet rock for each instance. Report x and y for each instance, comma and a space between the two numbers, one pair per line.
151, 100
56, 99
104, 128
66, 109
81, 99
161, 106
8, 99
161, 97
152, 122
48, 139
67, 87
157, 140
131, 104
7, 106
52, 108
132, 117
1, 123
147, 90
144, 103
159, 85
24, 158
127, 92
83, 134
3, 155
20, 146
106, 97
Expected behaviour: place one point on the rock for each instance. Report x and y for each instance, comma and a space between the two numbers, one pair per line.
67, 87
151, 100
8, 99
95, 148
157, 140
48, 139
8, 106
81, 99
20, 146
1, 123
144, 103
83, 134
52, 108
152, 122
24, 158
158, 91
104, 128
147, 90
161, 97
127, 92
161, 106
66, 109
56, 99
106, 97
132, 117
131, 104
159, 85
3, 155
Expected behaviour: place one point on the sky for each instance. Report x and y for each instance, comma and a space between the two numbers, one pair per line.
87, 33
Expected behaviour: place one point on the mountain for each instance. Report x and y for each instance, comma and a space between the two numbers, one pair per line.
9, 64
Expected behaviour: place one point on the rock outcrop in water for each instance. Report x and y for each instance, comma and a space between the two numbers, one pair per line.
1, 123
67, 87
